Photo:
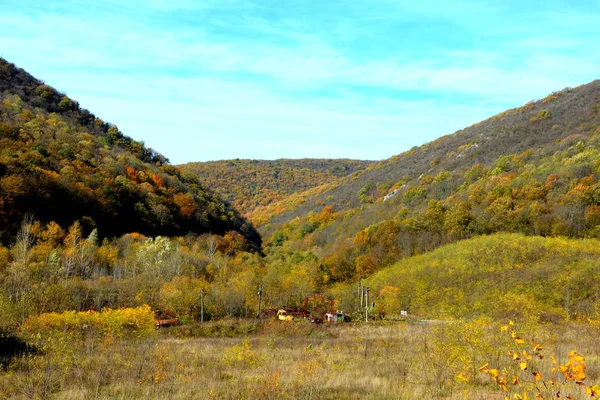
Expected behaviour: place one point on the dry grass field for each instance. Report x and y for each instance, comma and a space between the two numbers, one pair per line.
276, 360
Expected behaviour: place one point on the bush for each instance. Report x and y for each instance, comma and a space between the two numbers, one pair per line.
123, 322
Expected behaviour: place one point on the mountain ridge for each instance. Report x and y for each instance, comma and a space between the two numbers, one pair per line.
493, 125
251, 183
533, 169
62, 163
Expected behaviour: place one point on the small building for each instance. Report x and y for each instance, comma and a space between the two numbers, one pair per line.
335, 317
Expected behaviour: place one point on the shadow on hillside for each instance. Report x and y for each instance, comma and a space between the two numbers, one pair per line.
12, 347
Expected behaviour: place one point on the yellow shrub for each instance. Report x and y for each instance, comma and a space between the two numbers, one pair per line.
136, 322
242, 356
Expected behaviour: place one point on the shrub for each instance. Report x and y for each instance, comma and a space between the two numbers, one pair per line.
123, 322
530, 375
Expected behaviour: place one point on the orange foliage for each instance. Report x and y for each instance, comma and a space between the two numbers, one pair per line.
132, 174
326, 215
135, 236
364, 266
362, 237
53, 234
552, 179
186, 204
158, 180
51, 174
232, 242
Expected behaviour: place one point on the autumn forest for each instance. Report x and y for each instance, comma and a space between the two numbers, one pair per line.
465, 268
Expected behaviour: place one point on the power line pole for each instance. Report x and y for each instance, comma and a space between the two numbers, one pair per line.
367, 303
259, 293
201, 306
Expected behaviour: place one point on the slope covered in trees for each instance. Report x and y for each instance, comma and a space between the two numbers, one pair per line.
248, 184
499, 276
533, 170
61, 163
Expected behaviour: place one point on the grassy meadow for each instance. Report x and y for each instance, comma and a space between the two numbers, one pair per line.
248, 359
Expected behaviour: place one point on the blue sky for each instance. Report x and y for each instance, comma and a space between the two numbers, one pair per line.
220, 79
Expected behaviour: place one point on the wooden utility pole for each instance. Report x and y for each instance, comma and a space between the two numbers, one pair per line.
367, 303
201, 306
259, 293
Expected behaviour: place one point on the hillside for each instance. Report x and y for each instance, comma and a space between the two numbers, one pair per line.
532, 170
499, 276
61, 163
248, 184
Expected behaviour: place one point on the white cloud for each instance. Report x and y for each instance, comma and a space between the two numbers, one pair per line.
258, 86
236, 120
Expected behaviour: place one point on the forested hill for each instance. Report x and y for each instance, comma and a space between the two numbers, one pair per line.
503, 276
248, 184
61, 163
534, 169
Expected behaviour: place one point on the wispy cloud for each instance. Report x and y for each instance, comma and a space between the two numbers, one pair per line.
232, 78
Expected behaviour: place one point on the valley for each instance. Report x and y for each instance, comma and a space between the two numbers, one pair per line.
485, 233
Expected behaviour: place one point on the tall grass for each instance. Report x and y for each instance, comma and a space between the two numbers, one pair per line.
291, 361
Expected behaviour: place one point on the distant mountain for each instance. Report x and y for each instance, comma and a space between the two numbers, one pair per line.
248, 184
60, 162
534, 169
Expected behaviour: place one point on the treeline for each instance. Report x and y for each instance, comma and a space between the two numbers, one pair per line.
49, 269
63, 164
499, 276
248, 184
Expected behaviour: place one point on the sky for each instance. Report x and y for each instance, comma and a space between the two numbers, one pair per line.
366, 79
